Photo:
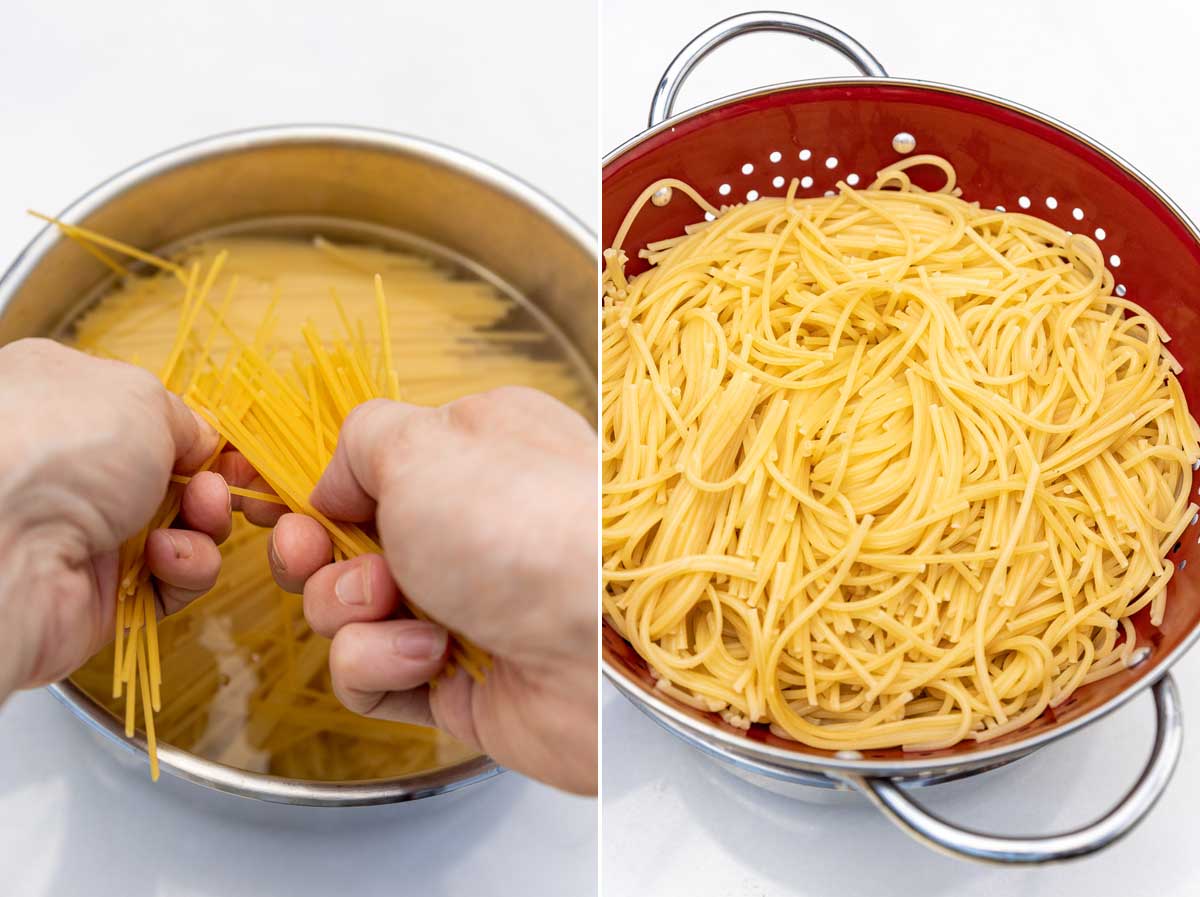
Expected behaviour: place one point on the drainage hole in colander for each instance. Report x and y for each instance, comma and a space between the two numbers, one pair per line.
831, 162
1120, 290
1114, 260
1051, 202
1024, 202
805, 155
777, 181
829, 193
709, 216
1178, 545
775, 156
752, 195
806, 182
747, 168
1077, 214
1001, 209
852, 179
1100, 233
724, 189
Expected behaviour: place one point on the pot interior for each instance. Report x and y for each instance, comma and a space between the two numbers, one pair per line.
351, 188
445, 198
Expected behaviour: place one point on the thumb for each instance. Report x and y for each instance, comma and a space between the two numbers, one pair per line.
194, 438
370, 445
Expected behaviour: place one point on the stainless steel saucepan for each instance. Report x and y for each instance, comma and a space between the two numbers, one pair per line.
381, 184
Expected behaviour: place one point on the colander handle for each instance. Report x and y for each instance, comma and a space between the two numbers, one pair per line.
707, 41
1028, 849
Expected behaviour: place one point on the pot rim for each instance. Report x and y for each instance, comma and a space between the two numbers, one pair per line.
274, 789
243, 139
710, 739
209, 773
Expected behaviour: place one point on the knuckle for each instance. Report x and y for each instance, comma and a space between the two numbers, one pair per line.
486, 409
31, 352
517, 395
343, 670
314, 616
349, 699
35, 346
149, 386
379, 431
368, 425
377, 421
139, 377
173, 599
472, 412
343, 659
360, 415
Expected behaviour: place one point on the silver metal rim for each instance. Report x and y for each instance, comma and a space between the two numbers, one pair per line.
838, 767
274, 789
812, 778
173, 760
956, 840
274, 135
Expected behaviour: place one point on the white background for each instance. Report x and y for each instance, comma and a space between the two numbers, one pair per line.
1123, 73
88, 88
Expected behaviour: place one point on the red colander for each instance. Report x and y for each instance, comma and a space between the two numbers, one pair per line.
1006, 156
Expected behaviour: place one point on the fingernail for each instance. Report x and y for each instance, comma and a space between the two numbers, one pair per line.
421, 642
181, 544
353, 587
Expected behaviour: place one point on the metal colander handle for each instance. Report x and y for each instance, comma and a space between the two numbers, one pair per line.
745, 23
1030, 849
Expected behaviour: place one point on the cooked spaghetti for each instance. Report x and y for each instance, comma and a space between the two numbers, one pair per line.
884, 468
247, 328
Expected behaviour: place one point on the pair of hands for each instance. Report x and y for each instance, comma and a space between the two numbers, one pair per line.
485, 509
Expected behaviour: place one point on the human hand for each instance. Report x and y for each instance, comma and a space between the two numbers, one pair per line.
486, 510
87, 447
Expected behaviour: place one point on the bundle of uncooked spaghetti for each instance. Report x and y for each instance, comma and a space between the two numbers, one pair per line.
241, 328
286, 428
884, 468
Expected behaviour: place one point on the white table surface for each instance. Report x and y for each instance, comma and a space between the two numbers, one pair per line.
88, 88
675, 825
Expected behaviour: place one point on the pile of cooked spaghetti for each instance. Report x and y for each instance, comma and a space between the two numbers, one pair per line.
275, 340
884, 468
